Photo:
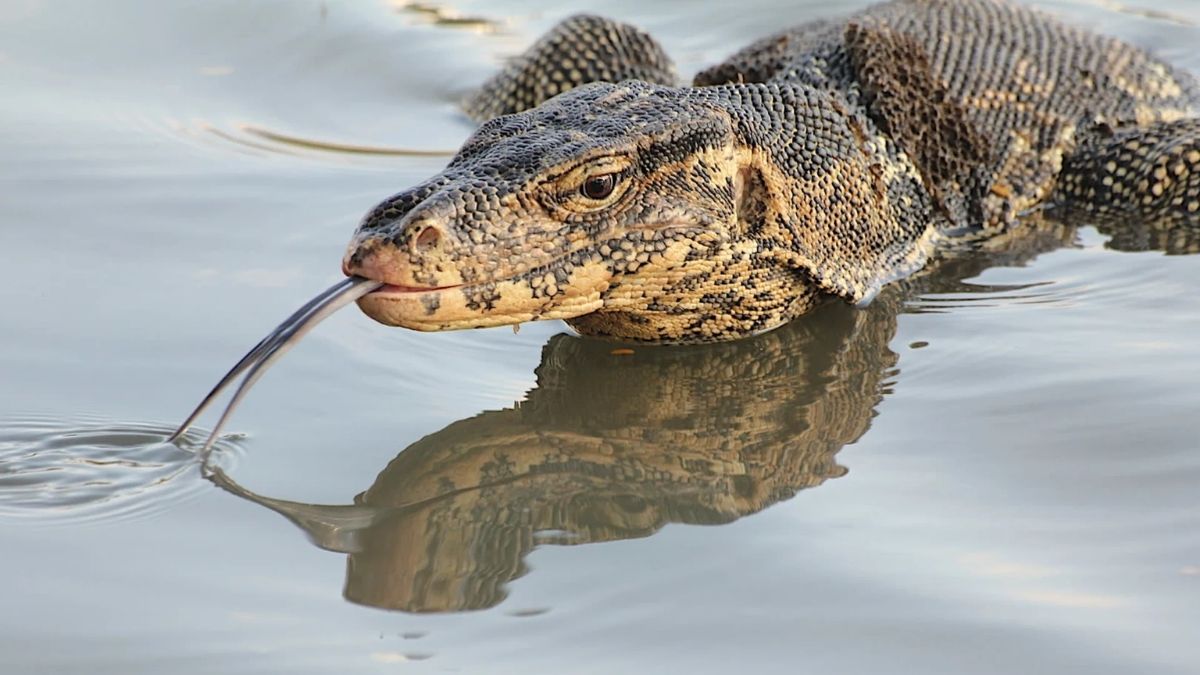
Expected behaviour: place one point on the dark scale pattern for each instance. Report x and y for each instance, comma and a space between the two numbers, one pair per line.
988, 97
1137, 171
1023, 95
823, 161
811, 54
581, 49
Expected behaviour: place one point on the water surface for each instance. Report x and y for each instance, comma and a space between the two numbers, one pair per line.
991, 470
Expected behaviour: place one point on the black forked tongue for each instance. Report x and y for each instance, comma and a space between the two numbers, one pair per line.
273, 346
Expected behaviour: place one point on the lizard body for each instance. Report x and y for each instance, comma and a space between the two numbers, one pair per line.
823, 161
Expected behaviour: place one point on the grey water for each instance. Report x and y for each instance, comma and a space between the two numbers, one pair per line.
993, 470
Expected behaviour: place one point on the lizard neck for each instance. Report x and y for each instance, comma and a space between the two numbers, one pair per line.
822, 189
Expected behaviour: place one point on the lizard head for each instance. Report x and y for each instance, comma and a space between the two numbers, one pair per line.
620, 208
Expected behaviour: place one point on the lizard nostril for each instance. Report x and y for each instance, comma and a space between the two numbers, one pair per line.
427, 238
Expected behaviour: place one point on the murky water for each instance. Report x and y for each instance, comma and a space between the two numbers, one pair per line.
994, 470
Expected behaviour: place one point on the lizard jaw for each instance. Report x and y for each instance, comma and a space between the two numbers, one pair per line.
486, 305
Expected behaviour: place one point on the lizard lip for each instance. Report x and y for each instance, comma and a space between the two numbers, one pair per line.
395, 289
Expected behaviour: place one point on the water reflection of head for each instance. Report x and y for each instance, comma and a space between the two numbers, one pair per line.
607, 447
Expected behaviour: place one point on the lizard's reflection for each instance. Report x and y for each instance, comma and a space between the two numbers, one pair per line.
610, 446
606, 446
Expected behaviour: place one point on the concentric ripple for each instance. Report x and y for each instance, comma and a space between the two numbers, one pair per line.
54, 469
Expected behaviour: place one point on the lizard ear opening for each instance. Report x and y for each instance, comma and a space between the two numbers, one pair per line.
750, 200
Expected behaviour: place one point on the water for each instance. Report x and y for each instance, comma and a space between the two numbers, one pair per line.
994, 471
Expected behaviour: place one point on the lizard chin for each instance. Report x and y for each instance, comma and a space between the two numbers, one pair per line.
501, 303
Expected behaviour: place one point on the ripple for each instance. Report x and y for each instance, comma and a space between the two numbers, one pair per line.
333, 146
258, 140
56, 470
972, 295
1152, 14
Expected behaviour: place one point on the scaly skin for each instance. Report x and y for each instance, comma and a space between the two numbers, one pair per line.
821, 162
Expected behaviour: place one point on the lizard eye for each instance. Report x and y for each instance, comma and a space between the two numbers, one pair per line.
599, 187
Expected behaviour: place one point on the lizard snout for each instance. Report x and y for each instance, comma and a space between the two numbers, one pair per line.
415, 251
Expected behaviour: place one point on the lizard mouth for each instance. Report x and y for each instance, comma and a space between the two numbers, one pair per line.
394, 289
563, 288
494, 303
566, 287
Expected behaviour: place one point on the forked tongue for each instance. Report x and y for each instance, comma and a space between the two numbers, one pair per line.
274, 345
